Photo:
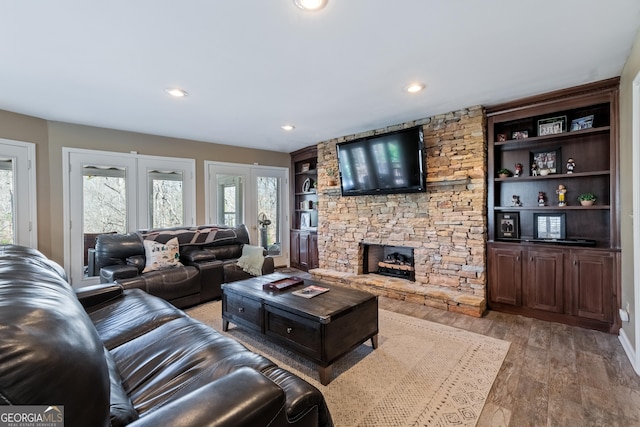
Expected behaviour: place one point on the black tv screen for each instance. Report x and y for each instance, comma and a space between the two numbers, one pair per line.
382, 164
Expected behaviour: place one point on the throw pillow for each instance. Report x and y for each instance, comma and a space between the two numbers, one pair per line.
161, 255
251, 260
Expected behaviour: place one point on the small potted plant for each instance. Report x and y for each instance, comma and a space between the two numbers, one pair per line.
504, 173
587, 199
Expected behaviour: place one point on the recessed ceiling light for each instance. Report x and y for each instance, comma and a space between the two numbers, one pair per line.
288, 127
310, 4
414, 87
178, 93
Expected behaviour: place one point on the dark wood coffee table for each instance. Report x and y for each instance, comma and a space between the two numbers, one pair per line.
322, 329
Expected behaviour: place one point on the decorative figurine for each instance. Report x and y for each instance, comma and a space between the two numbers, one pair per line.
541, 198
534, 169
518, 171
561, 191
515, 200
570, 165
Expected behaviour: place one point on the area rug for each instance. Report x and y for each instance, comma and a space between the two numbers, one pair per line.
421, 374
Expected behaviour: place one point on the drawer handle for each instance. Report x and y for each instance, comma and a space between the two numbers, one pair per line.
241, 310
289, 330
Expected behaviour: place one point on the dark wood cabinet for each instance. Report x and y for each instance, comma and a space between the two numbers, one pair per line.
505, 275
570, 285
555, 259
295, 248
544, 279
304, 208
592, 275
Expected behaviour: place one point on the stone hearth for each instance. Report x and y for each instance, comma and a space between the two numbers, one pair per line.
432, 296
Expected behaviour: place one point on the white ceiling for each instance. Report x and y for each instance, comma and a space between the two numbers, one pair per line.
251, 66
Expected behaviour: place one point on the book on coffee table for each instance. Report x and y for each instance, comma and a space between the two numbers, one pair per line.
310, 291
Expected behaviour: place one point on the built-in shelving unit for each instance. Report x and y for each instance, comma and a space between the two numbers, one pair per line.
304, 211
557, 261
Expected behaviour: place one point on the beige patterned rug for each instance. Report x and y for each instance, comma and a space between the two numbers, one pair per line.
421, 374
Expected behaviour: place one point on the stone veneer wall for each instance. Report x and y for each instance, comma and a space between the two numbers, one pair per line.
446, 226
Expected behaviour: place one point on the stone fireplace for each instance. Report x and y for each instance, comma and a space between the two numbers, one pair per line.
445, 227
388, 260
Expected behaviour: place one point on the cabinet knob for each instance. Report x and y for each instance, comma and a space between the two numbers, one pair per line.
289, 330
531, 258
241, 310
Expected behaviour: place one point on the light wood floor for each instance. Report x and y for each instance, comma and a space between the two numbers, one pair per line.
553, 375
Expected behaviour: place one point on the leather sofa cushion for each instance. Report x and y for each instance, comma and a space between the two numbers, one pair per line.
138, 261
114, 249
126, 318
121, 410
177, 358
50, 349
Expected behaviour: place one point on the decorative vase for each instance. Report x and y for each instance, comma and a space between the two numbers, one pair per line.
503, 175
587, 202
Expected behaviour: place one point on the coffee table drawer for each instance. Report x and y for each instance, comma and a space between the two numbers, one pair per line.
302, 333
242, 310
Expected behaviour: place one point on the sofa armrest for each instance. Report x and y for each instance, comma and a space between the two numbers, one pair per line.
90, 296
245, 397
112, 273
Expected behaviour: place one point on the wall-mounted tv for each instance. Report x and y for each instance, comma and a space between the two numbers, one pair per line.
383, 164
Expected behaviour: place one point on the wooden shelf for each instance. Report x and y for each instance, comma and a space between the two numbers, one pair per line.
552, 176
561, 281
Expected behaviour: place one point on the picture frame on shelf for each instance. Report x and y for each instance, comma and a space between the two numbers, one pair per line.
549, 226
305, 167
582, 123
548, 162
552, 126
508, 225
306, 185
520, 134
305, 221
306, 205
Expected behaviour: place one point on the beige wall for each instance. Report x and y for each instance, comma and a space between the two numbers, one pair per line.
631, 69
51, 137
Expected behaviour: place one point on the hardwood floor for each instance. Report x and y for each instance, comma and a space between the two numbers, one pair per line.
553, 375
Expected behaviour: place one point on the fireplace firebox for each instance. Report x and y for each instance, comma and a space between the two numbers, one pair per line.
387, 260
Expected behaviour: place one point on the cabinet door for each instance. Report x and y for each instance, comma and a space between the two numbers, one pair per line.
313, 251
295, 248
592, 283
544, 279
505, 275
304, 249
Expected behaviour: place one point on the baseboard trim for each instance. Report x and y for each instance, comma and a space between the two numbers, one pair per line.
628, 348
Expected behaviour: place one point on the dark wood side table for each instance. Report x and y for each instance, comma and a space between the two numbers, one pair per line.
322, 329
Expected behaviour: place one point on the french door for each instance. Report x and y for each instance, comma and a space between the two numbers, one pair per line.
18, 211
256, 196
109, 192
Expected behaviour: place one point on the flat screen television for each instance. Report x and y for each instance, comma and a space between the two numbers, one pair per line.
383, 164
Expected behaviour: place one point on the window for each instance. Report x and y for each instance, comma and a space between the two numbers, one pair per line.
103, 194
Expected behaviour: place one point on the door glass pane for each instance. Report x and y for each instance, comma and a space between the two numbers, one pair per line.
268, 203
7, 204
230, 209
104, 204
166, 204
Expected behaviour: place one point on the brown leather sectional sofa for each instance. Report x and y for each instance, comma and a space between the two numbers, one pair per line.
208, 253
113, 357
